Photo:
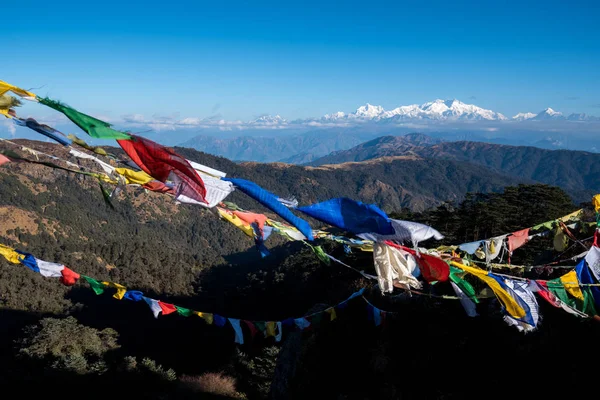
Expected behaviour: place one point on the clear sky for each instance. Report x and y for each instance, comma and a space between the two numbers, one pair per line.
303, 59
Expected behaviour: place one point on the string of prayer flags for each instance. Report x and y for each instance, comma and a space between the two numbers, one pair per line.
516, 297
44, 268
100, 177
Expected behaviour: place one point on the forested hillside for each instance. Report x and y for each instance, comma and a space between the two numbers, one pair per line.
577, 172
186, 255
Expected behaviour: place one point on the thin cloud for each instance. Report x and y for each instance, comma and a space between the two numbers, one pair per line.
572, 98
10, 126
162, 123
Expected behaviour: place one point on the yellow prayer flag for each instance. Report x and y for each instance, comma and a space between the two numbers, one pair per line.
332, 313
134, 177
10, 254
7, 87
271, 328
208, 317
246, 228
571, 284
120, 289
512, 307
573, 215
596, 202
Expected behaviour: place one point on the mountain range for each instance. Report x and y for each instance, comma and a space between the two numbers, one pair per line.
273, 138
437, 110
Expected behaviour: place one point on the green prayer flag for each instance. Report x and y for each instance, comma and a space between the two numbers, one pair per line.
92, 126
320, 253
82, 143
317, 318
97, 287
261, 326
588, 302
184, 312
465, 286
232, 206
558, 289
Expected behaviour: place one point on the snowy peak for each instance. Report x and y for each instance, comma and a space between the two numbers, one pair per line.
269, 120
368, 111
549, 113
439, 110
524, 116
457, 110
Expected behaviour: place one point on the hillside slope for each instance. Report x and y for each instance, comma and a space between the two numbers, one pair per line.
577, 172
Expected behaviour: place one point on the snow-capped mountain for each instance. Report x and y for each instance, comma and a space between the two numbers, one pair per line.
369, 111
523, 116
548, 113
434, 111
269, 120
437, 110
582, 117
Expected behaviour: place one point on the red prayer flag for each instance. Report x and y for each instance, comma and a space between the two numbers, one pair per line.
4, 159
167, 308
251, 328
547, 294
164, 164
158, 186
68, 277
518, 239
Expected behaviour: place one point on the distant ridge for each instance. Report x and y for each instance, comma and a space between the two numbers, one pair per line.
577, 172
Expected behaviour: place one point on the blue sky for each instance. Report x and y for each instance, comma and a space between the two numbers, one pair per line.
304, 59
